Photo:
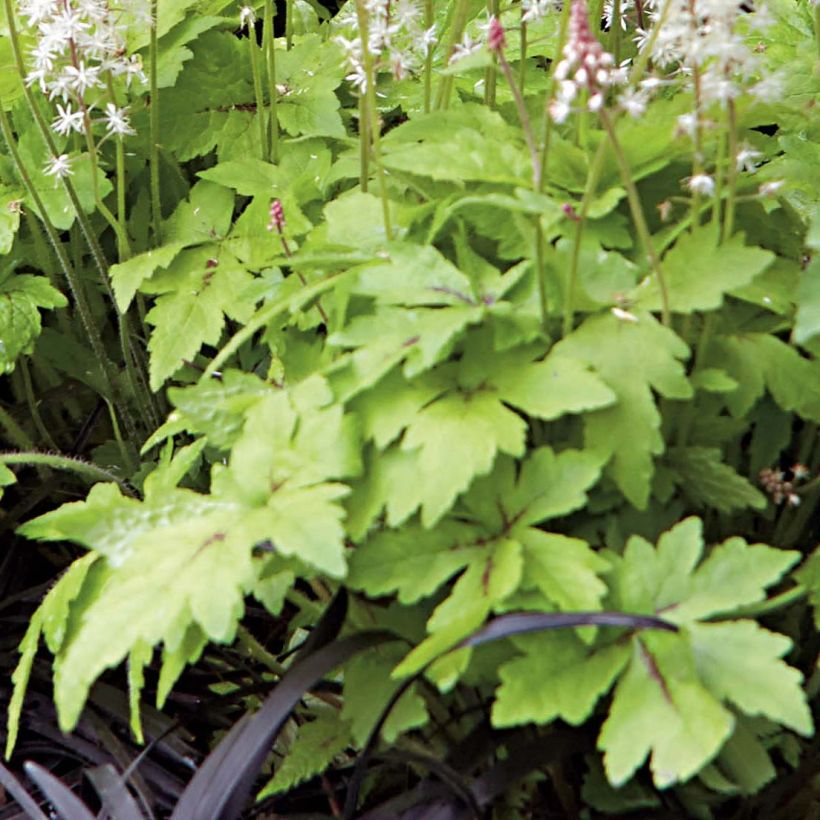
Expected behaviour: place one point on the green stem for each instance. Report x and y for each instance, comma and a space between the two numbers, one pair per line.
589, 191
273, 94
289, 24
541, 271
257, 91
780, 601
547, 123
638, 215
364, 143
153, 160
524, 118
373, 115
490, 75
429, 20
460, 14
615, 32
57, 462
731, 171
77, 292
257, 652
522, 66
15, 433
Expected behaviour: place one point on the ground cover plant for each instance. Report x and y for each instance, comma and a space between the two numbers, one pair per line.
410, 408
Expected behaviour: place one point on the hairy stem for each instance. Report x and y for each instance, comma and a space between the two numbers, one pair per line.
156, 201
256, 72
57, 462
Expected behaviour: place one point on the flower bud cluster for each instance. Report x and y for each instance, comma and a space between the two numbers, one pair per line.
396, 38
79, 46
585, 68
781, 487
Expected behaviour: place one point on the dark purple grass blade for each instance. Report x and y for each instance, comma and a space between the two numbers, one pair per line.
505, 626
222, 785
67, 804
116, 800
16, 789
519, 623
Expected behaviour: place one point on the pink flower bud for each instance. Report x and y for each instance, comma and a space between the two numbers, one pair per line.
496, 41
277, 216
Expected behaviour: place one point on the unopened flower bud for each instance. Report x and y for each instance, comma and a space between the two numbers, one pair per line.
496, 41
277, 216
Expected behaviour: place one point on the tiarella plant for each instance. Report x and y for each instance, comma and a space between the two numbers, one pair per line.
457, 322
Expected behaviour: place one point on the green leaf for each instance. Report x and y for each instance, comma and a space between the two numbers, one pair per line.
571, 678
316, 744
217, 408
807, 319
809, 576
457, 438
709, 482
310, 71
564, 569
367, 689
661, 709
471, 143
20, 678
153, 593
138, 658
412, 561
21, 297
740, 663
488, 580
699, 271
198, 289
10, 199
734, 575
126, 277
550, 485
50, 619
632, 359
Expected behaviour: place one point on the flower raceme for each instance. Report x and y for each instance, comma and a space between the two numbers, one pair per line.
585, 69
78, 53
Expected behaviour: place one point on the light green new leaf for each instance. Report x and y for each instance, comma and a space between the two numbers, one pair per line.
50, 620
632, 359
570, 679
699, 271
217, 408
488, 580
740, 662
734, 575
316, 745
550, 485
199, 289
197, 569
660, 708
457, 438
549, 388
565, 569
